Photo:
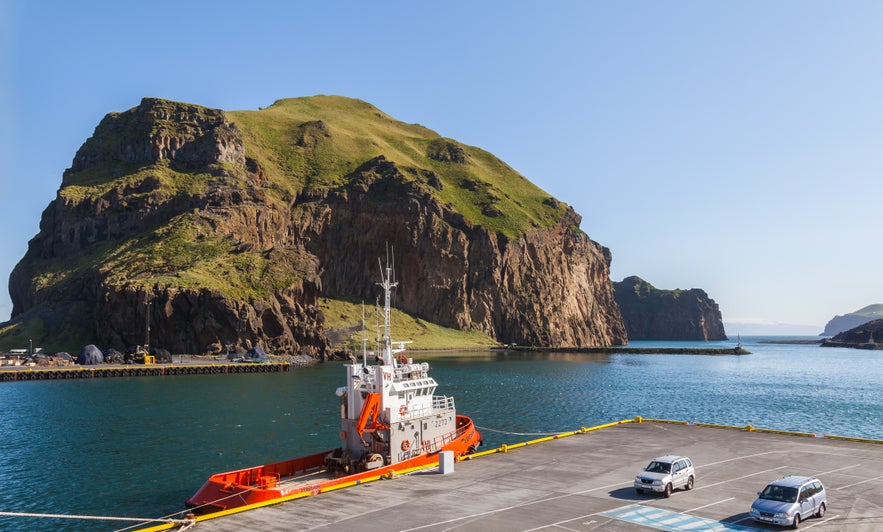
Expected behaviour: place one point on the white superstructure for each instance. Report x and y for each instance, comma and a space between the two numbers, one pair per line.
389, 412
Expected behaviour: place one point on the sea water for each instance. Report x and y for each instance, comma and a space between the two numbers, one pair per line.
139, 447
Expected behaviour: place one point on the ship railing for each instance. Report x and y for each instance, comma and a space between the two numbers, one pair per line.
439, 404
442, 402
422, 411
438, 443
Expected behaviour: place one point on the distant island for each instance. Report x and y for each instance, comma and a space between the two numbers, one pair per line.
839, 324
650, 313
866, 336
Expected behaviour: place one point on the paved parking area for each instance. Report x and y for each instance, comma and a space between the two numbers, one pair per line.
584, 483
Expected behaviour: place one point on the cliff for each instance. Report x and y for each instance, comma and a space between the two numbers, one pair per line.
839, 324
869, 335
653, 314
225, 228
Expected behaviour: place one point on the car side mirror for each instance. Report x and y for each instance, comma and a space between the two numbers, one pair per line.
759, 493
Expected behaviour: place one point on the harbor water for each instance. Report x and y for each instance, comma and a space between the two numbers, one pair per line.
138, 447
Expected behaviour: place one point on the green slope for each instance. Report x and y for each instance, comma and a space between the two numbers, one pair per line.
314, 142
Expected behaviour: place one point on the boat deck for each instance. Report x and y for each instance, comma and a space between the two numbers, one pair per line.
584, 482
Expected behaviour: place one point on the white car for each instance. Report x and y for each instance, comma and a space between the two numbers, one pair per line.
665, 474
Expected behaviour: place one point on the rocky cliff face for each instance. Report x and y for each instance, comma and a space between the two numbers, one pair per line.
174, 215
653, 314
545, 287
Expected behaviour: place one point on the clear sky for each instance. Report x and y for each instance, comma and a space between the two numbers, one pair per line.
733, 146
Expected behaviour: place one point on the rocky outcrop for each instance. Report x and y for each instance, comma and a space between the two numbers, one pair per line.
164, 218
653, 314
839, 324
866, 336
546, 287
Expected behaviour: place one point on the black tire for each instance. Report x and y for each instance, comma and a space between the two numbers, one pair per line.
689, 484
639, 490
667, 492
821, 513
796, 523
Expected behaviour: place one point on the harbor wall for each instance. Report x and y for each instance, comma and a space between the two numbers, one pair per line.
31, 374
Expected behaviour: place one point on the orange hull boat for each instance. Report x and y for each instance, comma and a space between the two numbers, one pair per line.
391, 420
269, 482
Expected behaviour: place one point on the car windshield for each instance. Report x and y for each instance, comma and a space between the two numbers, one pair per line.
658, 467
779, 493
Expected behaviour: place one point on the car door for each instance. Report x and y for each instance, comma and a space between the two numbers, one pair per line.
677, 474
805, 499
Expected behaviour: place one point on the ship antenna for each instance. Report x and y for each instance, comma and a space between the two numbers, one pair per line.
387, 284
364, 338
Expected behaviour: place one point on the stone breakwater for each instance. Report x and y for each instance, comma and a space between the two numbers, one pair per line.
646, 350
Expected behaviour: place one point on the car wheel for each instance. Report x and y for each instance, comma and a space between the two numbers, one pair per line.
689, 485
821, 512
639, 490
667, 492
796, 523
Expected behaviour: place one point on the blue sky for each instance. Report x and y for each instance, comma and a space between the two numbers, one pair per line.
728, 146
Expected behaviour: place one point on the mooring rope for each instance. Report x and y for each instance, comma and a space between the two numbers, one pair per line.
520, 433
97, 517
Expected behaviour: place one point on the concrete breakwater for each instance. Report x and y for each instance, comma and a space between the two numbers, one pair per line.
159, 370
644, 350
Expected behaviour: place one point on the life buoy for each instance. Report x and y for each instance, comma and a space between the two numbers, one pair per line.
403, 410
406, 445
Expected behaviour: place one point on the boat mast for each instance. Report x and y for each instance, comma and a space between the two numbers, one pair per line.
387, 284
364, 339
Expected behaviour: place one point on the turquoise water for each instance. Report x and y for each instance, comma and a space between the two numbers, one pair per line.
141, 446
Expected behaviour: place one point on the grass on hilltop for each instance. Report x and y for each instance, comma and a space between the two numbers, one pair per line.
315, 142
343, 326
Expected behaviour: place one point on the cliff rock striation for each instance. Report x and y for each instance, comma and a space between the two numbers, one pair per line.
653, 314
220, 229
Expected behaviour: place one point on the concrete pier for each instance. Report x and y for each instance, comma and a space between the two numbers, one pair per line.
584, 483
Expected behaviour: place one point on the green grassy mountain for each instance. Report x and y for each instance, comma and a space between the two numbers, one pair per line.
227, 227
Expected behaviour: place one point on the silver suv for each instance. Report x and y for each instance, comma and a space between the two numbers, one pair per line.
789, 500
666, 473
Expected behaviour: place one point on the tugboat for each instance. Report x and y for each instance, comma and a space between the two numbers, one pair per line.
390, 421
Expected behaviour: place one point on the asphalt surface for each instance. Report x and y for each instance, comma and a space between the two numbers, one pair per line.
584, 483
